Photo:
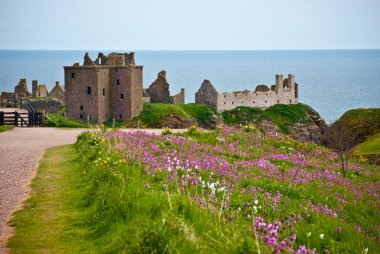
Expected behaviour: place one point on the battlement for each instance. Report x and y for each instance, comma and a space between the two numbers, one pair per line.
123, 60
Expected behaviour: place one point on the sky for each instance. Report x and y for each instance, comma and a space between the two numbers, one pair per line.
189, 24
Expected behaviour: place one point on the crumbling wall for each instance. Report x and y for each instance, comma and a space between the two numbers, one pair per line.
207, 94
41, 91
21, 90
159, 90
57, 92
283, 92
178, 98
50, 106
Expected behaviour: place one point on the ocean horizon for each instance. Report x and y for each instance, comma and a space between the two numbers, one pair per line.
331, 81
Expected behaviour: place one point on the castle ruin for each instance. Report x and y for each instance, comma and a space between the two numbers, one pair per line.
282, 92
158, 91
109, 87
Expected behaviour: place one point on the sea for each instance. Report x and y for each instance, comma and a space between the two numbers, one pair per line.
330, 81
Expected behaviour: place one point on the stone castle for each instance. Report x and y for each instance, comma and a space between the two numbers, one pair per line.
282, 92
112, 87
109, 87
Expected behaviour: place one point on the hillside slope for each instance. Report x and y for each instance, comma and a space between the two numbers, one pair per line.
300, 121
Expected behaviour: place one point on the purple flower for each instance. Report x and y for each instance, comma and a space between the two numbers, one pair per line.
338, 230
271, 241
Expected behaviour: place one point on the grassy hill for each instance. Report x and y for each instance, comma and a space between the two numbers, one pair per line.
362, 122
158, 115
284, 116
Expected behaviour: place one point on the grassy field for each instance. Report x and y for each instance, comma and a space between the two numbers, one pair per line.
6, 128
224, 191
370, 146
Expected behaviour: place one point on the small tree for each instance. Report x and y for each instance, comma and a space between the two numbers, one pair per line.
339, 138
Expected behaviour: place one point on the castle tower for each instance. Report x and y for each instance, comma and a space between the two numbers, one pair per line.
34, 88
291, 81
279, 82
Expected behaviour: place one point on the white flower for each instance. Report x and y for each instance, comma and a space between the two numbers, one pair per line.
256, 202
308, 234
321, 236
366, 250
254, 209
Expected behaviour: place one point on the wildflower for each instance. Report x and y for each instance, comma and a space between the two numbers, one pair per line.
338, 230
146, 186
366, 250
271, 241
256, 202
321, 236
308, 234
254, 209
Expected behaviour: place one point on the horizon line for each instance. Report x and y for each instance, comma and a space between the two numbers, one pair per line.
311, 49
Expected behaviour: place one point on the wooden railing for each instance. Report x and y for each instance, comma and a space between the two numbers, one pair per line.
31, 119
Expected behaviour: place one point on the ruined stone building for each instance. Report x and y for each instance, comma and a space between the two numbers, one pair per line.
111, 86
21, 90
57, 92
282, 92
158, 92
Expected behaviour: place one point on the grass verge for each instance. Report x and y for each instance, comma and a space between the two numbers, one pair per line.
6, 128
48, 222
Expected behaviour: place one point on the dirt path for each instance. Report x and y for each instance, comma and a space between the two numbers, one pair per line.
20, 152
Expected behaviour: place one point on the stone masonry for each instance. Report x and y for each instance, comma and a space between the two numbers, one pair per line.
283, 92
159, 92
109, 87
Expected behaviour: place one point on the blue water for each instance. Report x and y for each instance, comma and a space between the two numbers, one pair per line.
331, 81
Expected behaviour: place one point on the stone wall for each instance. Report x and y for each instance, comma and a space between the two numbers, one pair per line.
115, 84
207, 94
178, 98
21, 90
50, 106
159, 92
57, 92
283, 92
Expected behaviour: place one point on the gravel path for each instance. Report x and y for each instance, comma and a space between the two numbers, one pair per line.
20, 152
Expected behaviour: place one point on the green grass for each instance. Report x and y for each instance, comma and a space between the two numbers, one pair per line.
58, 120
370, 146
158, 115
78, 206
362, 122
6, 128
282, 115
49, 220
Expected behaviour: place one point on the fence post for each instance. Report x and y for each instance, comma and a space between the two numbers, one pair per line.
113, 122
64, 114
1, 118
88, 119
16, 118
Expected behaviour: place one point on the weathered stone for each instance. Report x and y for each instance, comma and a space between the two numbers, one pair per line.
87, 60
159, 92
21, 90
283, 92
207, 94
57, 92
41, 91
110, 88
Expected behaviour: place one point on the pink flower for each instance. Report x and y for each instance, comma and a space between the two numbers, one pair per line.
271, 241
338, 230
